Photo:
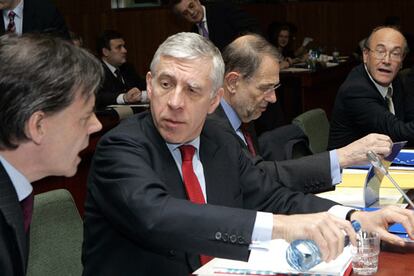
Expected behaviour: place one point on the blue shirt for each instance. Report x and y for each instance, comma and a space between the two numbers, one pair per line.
21, 184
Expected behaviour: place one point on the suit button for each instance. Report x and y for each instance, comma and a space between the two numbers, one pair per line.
233, 238
171, 253
225, 237
241, 240
218, 236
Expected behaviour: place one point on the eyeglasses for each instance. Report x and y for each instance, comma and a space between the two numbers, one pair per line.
271, 89
381, 53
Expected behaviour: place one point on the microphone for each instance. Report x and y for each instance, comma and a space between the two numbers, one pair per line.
376, 163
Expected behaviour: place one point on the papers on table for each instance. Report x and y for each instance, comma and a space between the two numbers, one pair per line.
272, 262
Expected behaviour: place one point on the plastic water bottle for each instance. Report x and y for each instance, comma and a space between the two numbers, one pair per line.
302, 255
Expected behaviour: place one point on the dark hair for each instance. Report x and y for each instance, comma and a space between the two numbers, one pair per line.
40, 73
244, 54
104, 40
395, 28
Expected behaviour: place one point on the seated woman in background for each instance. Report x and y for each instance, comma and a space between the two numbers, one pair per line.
281, 36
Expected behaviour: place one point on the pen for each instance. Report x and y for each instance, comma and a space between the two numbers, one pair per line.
376, 163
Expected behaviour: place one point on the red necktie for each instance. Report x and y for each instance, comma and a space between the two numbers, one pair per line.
248, 138
11, 27
27, 207
192, 186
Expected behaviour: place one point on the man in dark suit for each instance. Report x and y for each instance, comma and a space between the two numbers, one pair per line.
372, 98
145, 211
122, 85
221, 22
46, 116
250, 80
32, 16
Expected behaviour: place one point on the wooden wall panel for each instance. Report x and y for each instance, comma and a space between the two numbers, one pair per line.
333, 24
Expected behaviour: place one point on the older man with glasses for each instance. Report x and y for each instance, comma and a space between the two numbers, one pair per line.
372, 98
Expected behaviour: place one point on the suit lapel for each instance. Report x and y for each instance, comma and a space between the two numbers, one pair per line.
10, 208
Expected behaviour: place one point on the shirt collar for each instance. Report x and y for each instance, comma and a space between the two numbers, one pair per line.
110, 66
383, 90
231, 115
204, 15
18, 10
195, 143
21, 184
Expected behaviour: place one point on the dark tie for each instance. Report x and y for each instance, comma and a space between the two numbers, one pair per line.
388, 99
248, 138
119, 76
27, 207
11, 27
192, 186
202, 27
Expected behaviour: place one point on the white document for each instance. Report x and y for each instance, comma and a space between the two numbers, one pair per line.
272, 261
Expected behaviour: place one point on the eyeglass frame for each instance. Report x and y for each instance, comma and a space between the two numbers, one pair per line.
273, 89
384, 54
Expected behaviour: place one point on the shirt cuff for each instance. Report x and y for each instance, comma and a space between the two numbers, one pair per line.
335, 168
262, 230
120, 99
339, 211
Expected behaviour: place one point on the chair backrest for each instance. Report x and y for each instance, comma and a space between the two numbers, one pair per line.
315, 125
56, 235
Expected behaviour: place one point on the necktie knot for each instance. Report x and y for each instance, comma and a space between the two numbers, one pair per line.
202, 26
11, 27
12, 14
187, 152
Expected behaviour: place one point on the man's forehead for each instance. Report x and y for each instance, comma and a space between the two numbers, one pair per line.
387, 38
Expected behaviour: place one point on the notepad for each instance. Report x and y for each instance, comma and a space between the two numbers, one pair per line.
272, 262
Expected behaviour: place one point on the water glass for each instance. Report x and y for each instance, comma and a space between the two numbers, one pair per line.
365, 254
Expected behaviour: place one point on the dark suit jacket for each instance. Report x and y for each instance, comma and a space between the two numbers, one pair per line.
41, 16
310, 174
360, 109
13, 239
226, 22
112, 87
138, 220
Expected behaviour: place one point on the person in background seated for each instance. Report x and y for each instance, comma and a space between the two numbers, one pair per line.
220, 22
122, 85
47, 99
372, 98
250, 82
76, 39
168, 190
280, 36
31, 16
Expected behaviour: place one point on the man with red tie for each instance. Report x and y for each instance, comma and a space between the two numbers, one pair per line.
169, 189
250, 82
46, 117
31, 16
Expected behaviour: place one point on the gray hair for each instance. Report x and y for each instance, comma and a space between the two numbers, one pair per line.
244, 55
367, 42
40, 73
192, 46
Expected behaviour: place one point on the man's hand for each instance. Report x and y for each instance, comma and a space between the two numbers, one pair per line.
325, 229
132, 96
378, 221
356, 152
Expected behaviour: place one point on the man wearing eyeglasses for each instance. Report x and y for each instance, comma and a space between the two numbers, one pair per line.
250, 82
372, 98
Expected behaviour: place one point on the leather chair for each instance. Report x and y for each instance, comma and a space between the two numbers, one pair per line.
56, 235
315, 125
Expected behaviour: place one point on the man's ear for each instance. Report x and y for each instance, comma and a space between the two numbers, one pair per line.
215, 101
148, 78
35, 127
231, 81
105, 52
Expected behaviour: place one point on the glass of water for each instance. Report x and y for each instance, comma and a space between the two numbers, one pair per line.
365, 254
